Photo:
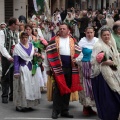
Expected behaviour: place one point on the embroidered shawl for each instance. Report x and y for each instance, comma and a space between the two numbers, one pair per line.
56, 65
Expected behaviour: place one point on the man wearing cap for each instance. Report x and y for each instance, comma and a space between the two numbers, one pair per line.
8, 39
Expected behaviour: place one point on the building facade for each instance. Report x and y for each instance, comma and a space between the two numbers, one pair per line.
57, 4
15, 8
12, 8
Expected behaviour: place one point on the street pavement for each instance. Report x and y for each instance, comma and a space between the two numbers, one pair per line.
41, 112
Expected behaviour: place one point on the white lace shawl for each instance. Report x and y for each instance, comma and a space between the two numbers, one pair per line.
112, 77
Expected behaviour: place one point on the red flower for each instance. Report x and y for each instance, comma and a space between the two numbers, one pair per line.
101, 57
44, 41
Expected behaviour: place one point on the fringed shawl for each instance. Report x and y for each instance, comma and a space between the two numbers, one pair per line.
56, 65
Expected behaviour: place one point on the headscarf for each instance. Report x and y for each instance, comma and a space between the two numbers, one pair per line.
110, 20
69, 18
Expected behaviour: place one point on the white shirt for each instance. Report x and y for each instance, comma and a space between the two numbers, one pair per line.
64, 46
64, 49
3, 50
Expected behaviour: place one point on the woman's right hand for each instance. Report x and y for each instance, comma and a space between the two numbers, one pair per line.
16, 75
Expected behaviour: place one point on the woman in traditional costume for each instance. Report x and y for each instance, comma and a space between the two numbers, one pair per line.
26, 88
40, 45
86, 97
69, 19
106, 76
28, 29
45, 29
56, 23
35, 25
110, 20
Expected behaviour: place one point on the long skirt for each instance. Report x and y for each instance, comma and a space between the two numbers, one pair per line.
26, 89
86, 96
107, 101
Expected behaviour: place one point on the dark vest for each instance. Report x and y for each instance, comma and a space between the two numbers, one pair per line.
11, 38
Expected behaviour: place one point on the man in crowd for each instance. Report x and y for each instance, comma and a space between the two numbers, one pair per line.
8, 39
83, 23
61, 53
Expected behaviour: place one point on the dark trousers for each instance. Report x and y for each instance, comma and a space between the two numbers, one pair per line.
61, 103
6, 80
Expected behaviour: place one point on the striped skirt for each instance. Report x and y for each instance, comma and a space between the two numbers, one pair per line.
86, 96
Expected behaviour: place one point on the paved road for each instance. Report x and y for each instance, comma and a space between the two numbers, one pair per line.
41, 112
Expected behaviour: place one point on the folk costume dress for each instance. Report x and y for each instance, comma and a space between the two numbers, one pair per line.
106, 81
86, 97
69, 19
56, 23
36, 44
26, 88
40, 45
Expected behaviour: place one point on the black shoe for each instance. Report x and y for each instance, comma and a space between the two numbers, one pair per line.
21, 109
5, 100
54, 115
10, 99
66, 115
30, 109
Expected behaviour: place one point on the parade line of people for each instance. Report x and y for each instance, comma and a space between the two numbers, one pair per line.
77, 54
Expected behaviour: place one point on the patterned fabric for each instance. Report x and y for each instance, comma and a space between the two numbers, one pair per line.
37, 60
11, 38
26, 88
56, 65
86, 97
86, 79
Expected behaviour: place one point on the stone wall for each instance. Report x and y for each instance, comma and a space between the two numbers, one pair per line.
2, 11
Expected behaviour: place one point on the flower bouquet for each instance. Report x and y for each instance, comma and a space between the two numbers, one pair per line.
101, 57
44, 42
37, 58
